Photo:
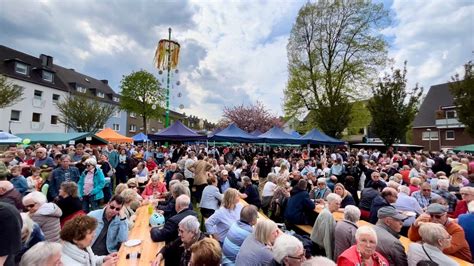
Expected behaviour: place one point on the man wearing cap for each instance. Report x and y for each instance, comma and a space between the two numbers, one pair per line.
437, 213
388, 227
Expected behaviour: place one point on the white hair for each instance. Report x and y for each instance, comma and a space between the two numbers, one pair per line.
332, 197
365, 230
443, 184
285, 245
432, 232
183, 201
36, 197
352, 213
28, 226
40, 253
191, 224
91, 161
470, 206
321, 180
393, 184
319, 260
404, 190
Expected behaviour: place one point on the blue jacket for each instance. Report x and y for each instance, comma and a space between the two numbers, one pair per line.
116, 234
114, 158
60, 175
466, 221
377, 203
99, 183
233, 240
20, 184
297, 207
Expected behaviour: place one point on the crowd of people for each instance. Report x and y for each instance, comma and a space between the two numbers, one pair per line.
75, 204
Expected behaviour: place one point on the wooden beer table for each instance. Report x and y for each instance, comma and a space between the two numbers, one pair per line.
147, 248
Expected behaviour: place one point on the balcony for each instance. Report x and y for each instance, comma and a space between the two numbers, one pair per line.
37, 126
448, 123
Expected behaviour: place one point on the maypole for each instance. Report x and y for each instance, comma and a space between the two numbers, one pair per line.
166, 58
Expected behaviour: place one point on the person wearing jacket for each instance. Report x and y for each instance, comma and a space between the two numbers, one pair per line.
65, 172
169, 232
299, 204
91, 184
69, 202
344, 233
31, 234
77, 236
9, 194
46, 215
386, 198
112, 227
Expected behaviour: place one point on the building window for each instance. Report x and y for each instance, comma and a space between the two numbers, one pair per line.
451, 114
426, 135
450, 135
100, 94
55, 98
48, 76
133, 128
38, 95
15, 115
115, 99
133, 115
81, 89
21, 68
116, 127
36, 117
54, 120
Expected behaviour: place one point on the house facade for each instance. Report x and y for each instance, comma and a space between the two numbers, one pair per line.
436, 125
44, 84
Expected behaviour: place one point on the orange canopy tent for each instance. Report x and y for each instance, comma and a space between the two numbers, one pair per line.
111, 136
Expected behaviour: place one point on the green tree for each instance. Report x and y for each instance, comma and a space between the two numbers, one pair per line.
360, 118
392, 107
334, 51
463, 94
84, 114
9, 93
142, 95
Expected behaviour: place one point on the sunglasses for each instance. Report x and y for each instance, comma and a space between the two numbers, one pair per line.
115, 208
30, 206
426, 189
300, 257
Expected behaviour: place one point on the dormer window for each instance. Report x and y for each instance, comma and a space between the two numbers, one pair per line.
81, 89
100, 94
21, 68
48, 76
115, 99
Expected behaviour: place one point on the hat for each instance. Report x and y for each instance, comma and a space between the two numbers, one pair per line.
436, 208
388, 211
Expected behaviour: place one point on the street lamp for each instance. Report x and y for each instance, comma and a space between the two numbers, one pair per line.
429, 139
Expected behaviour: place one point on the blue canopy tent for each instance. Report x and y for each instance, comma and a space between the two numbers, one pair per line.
256, 133
315, 136
176, 132
295, 134
277, 135
140, 137
232, 133
8, 138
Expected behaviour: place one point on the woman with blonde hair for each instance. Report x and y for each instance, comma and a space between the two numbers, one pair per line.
455, 182
257, 247
345, 195
280, 194
31, 234
219, 222
130, 200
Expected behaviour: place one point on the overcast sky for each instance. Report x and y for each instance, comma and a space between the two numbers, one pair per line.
232, 52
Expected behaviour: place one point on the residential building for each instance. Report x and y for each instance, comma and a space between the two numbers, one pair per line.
436, 125
45, 84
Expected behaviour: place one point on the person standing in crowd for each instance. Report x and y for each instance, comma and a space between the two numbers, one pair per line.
250, 192
299, 205
344, 233
434, 240
437, 213
46, 215
18, 180
77, 236
112, 155
91, 184
280, 196
10, 230
288, 251
323, 228
256, 249
69, 202
188, 163
267, 192
218, 224
364, 251
112, 227
200, 169
237, 234
123, 167
388, 227
43, 161
264, 165
76, 155
9, 194
64, 173
211, 197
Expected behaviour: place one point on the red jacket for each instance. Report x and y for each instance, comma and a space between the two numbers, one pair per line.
461, 208
351, 257
149, 189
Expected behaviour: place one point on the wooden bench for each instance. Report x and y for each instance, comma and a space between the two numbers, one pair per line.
305, 228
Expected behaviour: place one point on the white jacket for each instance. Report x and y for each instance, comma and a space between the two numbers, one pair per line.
72, 255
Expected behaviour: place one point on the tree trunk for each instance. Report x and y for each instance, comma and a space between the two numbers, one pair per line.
145, 130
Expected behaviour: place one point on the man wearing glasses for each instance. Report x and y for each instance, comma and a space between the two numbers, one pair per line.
112, 227
437, 213
425, 196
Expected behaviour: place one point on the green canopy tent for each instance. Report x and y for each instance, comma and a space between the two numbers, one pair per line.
63, 138
466, 148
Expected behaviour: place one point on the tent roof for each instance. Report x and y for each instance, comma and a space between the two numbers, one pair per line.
277, 135
233, 133
8, 138
62, 138
112, 136
315, 136
177, 132
294, 133
256, 133
140, 137
465, 148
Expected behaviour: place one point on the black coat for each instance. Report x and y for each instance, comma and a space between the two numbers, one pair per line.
169, 232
